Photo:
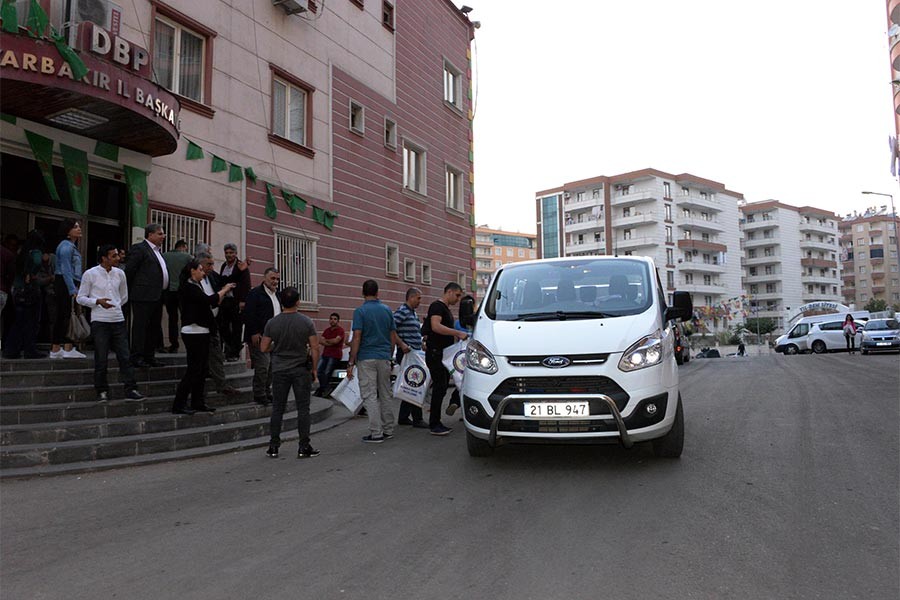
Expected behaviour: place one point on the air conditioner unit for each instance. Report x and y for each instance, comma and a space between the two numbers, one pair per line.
292, 7
694, 252
567, 195
618, 187
100, 12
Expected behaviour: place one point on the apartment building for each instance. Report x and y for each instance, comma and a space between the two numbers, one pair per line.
869, 254
332, 140
790, 258
687, 224
495, 248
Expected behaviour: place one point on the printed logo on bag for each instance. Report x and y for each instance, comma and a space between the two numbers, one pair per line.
414, 376
459, 361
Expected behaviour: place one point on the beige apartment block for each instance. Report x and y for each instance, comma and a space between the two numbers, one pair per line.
869, 254
495, 248
790, 258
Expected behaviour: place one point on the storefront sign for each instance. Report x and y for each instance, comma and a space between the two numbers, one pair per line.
109, 46
823, 305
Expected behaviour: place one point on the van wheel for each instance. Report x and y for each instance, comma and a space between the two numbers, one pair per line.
819, 347
671, 444
792, 349
477, 446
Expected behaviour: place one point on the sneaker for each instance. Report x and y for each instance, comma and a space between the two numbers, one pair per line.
133, 395
307, 452
387, 436
451, 409
73, 353
57, 354
440, 430
272, 452
420, 424
370, 439
103, 397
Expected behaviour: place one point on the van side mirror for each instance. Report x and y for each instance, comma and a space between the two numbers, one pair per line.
682, 307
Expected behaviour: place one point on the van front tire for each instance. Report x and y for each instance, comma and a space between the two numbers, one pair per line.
477, 446
671, 444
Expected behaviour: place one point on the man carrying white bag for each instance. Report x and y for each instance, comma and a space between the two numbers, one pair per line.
412, 382
455, 361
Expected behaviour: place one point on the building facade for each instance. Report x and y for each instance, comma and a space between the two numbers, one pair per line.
495, 248
332, 140
869, 254
790, 258
687, 224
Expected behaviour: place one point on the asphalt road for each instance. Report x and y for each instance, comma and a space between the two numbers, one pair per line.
787, 488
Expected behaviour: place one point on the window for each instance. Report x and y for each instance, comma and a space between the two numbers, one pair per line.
670, 279
669, 257
862, 270
704, 237
626, 212
390, 134
626, 234
179, 226
859, 227
689, 278
392, 259
509, 252
498, 251
414, 168
770, 288
452, 86
668, 212
387, 15
357, 118
182, 57
461, 279
295, 259
426, 273
454, 189
708, 300
751, 253
667, 189
707, 280
409, 269
291, 112
752, 272
685, 191
668, 233
521, 253
595, 193
688, 234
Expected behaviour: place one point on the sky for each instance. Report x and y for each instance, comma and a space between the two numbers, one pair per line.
776, 99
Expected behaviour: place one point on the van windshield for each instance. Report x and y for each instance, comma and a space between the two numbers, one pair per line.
586, 288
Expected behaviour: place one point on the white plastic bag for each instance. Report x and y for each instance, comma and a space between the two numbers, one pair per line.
412, 381
455, 361
347, 393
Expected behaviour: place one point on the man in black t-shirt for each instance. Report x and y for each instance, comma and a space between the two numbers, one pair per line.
439, 334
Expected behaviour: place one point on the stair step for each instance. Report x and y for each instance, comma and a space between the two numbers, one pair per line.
162, 443
66, 364
338, 416
84, 376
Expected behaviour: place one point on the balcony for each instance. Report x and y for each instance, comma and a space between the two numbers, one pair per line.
700, 267
760, 242
877, 275
635, 242
819, 297
763, 278
572, 203
700, 224
758, 223
634, 220
817, 245
761, 260
632, 198
584, 225
818, 280
585, 246
766, 296
698, 201
712, 289
819, 263
877, 289
816, 227
702, 246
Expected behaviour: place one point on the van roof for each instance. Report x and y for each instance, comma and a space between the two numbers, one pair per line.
644, 259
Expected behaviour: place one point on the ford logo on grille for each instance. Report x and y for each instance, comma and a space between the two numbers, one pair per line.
556, 362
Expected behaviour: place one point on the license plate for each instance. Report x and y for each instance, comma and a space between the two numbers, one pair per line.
557, 410
883, 344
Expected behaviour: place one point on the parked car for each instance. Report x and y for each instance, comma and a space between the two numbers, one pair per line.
575, 350
794, 340
828, 336
880, 335
682, 345
708, 353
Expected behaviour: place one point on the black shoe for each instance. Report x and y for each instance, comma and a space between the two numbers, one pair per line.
141, 364
405, 422
183, 411
370, 439
307, 452
440, 429
272, 452
133, 395
387, 436
420, 424
204, 408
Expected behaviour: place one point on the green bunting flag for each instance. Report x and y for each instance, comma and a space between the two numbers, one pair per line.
329, 220
235, 172
271, 209
76, 164
194, 152
294, 201
248, 171
218, 164
37, 20
11, 119
79, 70
137, 194
107, 151
9, 16
43, 153
319, 215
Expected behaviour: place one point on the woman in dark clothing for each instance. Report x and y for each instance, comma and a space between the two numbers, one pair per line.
65, 287
197, 320
27, 298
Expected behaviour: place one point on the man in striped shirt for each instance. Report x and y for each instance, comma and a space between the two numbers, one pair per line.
410, 331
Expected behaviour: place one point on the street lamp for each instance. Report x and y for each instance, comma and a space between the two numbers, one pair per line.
894, 218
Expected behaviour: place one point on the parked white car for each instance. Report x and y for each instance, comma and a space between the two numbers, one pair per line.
828, 336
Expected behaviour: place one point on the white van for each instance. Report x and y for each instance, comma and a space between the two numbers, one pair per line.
795, 340
575, 350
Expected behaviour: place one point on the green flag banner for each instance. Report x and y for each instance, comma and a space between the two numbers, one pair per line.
43, 153
248, 171
37, 20
218, 164
79, 70
271, 209
137, 195
11, 119
76, 164
9, 16
194, 152
294, 201
329, 220
235, 172
107, 151
319, 215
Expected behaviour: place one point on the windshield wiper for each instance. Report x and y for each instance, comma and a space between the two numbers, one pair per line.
562, 315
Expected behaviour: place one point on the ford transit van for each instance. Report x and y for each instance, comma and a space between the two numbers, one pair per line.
575, 350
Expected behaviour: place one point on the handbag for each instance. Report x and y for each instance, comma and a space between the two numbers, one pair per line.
412, 382
347, 393
79, 328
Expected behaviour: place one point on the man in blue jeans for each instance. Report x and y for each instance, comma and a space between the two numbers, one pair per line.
291, 339
104, 290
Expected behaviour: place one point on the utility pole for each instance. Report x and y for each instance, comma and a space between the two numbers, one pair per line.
896, 232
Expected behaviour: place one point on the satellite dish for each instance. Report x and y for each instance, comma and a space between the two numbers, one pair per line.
894, 30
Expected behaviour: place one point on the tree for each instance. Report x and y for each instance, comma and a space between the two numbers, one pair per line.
766, 325
875, 305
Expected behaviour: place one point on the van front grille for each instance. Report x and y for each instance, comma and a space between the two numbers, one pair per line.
554, 386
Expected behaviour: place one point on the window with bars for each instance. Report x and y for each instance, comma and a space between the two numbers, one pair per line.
191, 229
295, 259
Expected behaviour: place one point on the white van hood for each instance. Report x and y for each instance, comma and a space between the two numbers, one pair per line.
576, 336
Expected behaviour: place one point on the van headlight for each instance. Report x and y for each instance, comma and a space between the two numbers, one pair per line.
478, 358
646, 352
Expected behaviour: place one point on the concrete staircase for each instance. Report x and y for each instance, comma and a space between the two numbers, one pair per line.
51, 422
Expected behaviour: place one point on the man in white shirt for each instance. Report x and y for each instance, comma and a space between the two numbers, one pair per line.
104, 290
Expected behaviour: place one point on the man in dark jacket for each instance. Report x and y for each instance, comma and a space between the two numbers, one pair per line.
262, 304
145, 269
235, 271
